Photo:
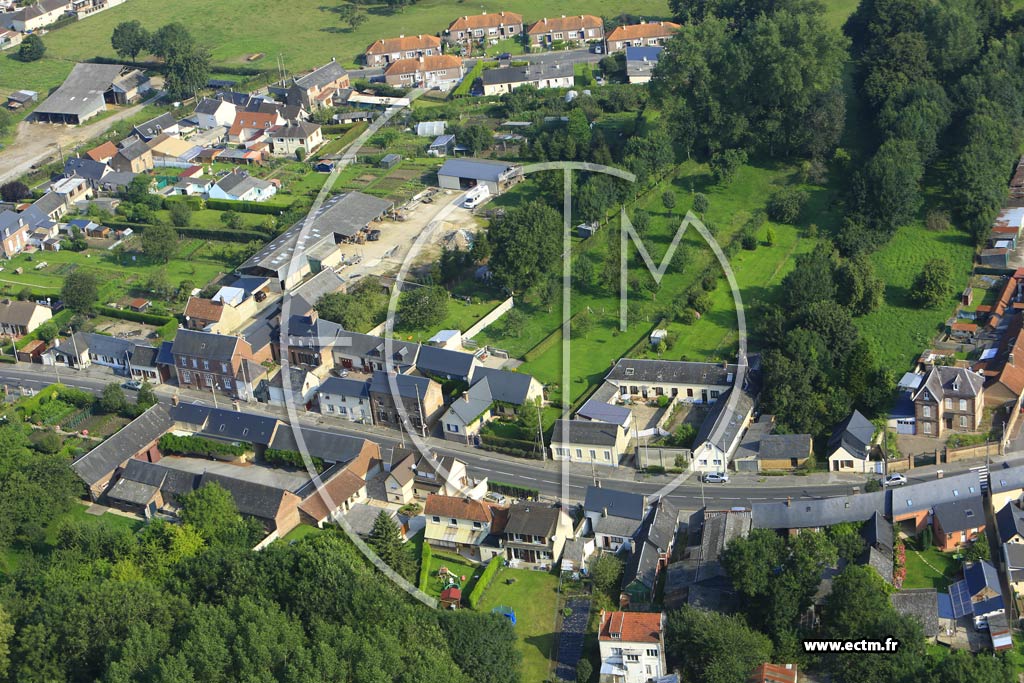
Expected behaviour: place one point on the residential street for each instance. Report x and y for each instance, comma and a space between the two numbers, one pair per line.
561, 57
547, 476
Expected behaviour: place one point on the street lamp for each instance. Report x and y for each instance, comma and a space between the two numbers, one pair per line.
213, 390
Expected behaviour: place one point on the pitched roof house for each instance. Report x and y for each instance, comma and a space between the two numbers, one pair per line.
429, 71
318, 88
388, 50
950, 399
632, 646
535, 533
467, 526
18, 318
572, 29
644, 34
485, 28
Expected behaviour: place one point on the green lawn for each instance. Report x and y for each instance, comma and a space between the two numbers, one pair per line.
900, 329
714, 336
535, 600
459, 565
300, 532
920, 575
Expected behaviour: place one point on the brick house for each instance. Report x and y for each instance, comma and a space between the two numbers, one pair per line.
431, 71
644, 34
482, 28
580, 28
958, 522
950, 399
420, 397
205, 361
388, 50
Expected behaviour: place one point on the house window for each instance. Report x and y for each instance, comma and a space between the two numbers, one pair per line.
330, 407
453, 522
593, 453
652, 653
963, 404
675, 392
224, 368
435, 519
927, 427
186, 377
227, 383
579, 452
949, 404
184, 363
607, 455
195, 364
963, 420
689, 393
926, 411
632, 658
477, 525
453, 428
714, 394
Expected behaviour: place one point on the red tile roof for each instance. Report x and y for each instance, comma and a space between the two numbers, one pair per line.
631, 627
468, 23
573, 23
338, 488
425, 63
204, 309
774, 673
245, 120
108, 150
403, 43
457, 508
657, 29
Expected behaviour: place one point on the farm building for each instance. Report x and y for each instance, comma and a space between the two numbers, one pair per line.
462, 174
83, 95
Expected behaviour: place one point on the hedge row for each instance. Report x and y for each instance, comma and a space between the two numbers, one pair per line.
198, 445
226, 235
161, 67
543, 346
513, 490
266, 208
516, 447
425, 556
484, 581
277, 456
135, 317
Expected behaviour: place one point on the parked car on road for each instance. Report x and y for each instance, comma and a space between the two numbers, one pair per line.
716, 478
894, 479
132, 384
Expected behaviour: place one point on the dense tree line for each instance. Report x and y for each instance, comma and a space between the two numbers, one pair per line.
933, 77
192, 602
816, 365
762, 76
188, 63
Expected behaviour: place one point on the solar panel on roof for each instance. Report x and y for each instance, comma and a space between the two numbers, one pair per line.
960, 598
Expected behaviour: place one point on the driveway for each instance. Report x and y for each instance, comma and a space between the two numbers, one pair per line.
38, 143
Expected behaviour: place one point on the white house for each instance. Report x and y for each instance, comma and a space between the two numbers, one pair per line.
586, 441
346, 398
632, 646
613, 516
460, 524
849, 448
211, 113
493, 393
242, 187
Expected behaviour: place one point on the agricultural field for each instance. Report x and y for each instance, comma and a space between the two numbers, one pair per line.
234, 30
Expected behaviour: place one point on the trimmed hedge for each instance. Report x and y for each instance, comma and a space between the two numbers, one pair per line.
520, 449
225, 235
490, 571
276, 456
198, 445
426, 554
267, 208
513, 490
135, 317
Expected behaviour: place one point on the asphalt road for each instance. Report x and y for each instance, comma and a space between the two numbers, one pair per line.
567, 481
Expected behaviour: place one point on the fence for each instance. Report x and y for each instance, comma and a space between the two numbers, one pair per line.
662, 457
989, 449
496, 313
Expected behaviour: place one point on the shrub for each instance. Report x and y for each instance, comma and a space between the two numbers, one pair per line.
200, 446
490, 571
655, 469
512, 490
123, 314
277, 456
425, 555
785, 204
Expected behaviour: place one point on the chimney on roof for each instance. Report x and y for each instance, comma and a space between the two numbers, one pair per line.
465, 396
312, 316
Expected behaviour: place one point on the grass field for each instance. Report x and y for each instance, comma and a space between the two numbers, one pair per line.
534, 598
197, 260
921, 575
234, 30
456, 564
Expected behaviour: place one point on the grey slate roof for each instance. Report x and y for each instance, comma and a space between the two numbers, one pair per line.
109, 455
133, 492
314, 332
660, 525
299, 130
961, 514
237, 184
408, 386
980, 575
343, 386
85, 168
480, 169
724, 421
617, 503
784, 446
227, 425
328, 446
150, 129
324, 75
916, 497
193, 343
252, 499
1010, 522
877, 532
82, 91
604, 412
208, 106
444, 362
1014, 555
820, 512
920, 603
505, 386
17, 312
361, 517
880, 561
351, 212
585, 432
523, 74
1006, 479
306, 295
719, 529
940, 381
854, 434
473, 403
532, 518
642, 565
638, 371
